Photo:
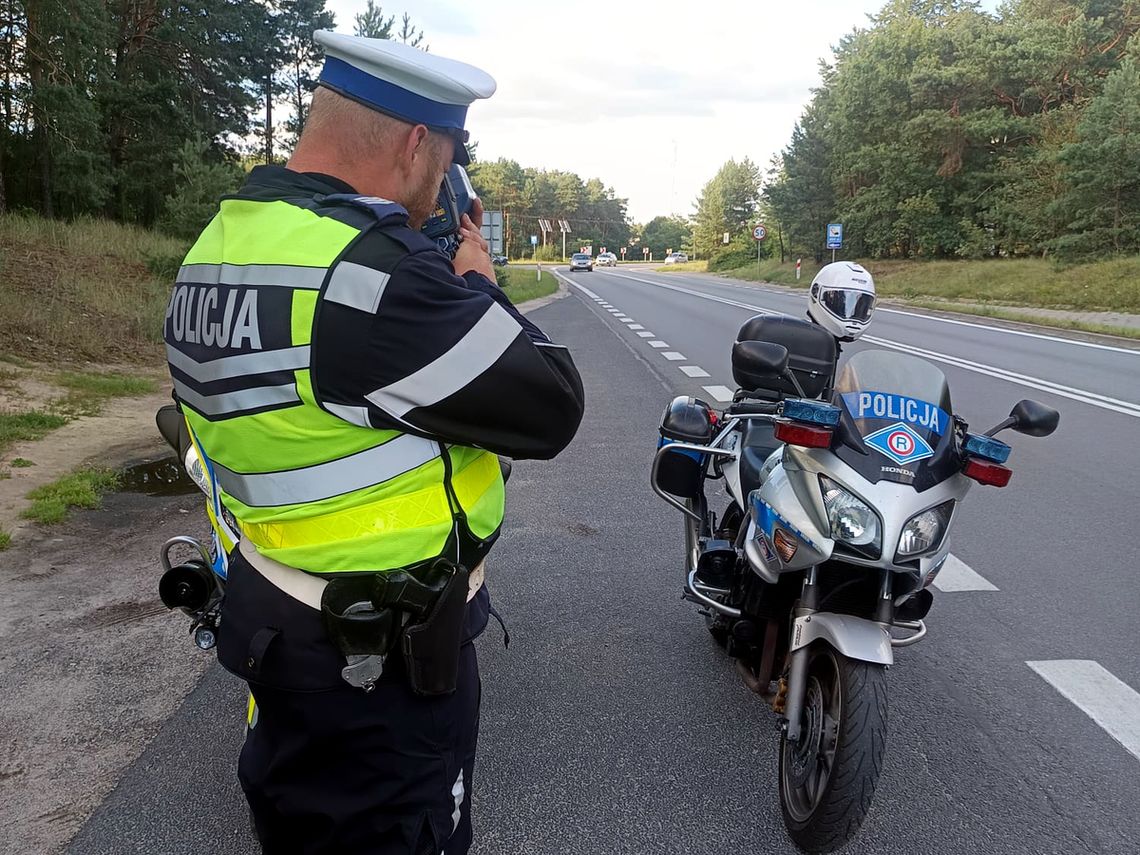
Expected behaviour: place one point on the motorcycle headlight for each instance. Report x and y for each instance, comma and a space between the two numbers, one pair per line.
852, 521
197, 471
925, 531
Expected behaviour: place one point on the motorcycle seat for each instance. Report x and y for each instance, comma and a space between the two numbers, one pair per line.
759, 443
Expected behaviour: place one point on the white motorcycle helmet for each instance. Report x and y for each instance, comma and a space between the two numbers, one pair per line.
842, 299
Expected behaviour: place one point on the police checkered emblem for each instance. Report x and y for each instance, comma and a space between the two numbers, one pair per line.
900, 443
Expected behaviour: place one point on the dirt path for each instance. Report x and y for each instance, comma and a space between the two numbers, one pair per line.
91, 663
123, 433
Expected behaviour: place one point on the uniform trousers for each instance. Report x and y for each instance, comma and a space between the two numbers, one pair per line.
329, 768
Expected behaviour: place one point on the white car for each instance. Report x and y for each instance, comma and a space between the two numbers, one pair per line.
676, 258
606, 259
581, 261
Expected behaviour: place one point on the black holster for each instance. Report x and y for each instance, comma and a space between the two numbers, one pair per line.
421, 608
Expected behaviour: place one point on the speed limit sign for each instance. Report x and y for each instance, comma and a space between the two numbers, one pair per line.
759, 232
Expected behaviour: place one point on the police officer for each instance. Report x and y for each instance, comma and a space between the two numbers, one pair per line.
350, 386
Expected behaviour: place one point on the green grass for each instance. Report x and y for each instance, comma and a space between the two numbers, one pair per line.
84, 289
21, 463
1110, 286
87, 392
82, 489
5, 540
522, 285
684, 267
20, 427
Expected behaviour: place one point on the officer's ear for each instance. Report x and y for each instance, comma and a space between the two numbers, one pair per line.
418, 142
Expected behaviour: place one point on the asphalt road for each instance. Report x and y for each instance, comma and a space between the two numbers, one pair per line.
613, 724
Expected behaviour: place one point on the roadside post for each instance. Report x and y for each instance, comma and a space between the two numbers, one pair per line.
623, 249
645, 254
834, 238
759, 232
798, 262
726, 239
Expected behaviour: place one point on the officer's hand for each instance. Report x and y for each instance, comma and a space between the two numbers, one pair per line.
473, 253
477, 212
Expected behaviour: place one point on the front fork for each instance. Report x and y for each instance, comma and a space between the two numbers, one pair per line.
798, 667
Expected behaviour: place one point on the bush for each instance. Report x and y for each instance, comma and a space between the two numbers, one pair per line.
200, 182
502, 277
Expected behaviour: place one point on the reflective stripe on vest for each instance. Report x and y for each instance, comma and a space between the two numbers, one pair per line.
308, 488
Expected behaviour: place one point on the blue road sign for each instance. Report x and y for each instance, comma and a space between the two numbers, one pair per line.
835, 235
534, 240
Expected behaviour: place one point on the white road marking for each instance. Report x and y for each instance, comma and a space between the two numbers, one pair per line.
613, 311
694, 370
646, 334
956, 575
622, 318
719, 393
587, 291
658, 344
1104, 402
673, 356
633, 326
1108, 701
981, 326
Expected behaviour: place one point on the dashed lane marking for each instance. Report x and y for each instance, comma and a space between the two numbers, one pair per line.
646, 334
635, 326
719, 393
694, 371
658, 344
673, 356
1100, 695
1104, 402
956, 575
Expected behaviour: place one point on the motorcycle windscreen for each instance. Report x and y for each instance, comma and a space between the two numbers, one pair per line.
895, 422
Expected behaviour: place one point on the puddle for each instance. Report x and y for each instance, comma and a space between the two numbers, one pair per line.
164, 477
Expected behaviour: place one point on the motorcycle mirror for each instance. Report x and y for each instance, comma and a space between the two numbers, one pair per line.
172, 426
1029, 417
760, 358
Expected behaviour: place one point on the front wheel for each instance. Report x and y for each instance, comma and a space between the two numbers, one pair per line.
828, 777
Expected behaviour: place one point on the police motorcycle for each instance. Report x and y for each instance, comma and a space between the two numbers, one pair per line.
842, 493
196, 584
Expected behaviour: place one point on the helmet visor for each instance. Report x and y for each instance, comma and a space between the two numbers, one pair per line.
848, 305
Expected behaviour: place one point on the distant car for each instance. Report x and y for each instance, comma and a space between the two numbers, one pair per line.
499, 260
606, 259
676, 258
581, 261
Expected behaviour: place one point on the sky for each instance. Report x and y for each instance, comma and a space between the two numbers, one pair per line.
650, 97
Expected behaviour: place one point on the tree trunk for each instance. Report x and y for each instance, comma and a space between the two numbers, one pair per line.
34, 45
269, 117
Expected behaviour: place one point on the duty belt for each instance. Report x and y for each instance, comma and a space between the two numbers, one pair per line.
367, 615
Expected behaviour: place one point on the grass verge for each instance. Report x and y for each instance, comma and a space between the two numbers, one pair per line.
1032, 282
34, 424
522, 285
1026, 316
83, 290
684, 267
82, 489
88, 392
5, 540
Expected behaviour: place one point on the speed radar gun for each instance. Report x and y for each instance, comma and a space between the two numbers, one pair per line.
456, 198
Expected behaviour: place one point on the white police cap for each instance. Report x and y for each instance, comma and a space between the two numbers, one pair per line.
404, 82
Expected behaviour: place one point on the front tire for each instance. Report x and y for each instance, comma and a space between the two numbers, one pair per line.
828, 778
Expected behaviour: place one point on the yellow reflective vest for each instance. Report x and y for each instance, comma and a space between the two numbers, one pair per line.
307, 487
